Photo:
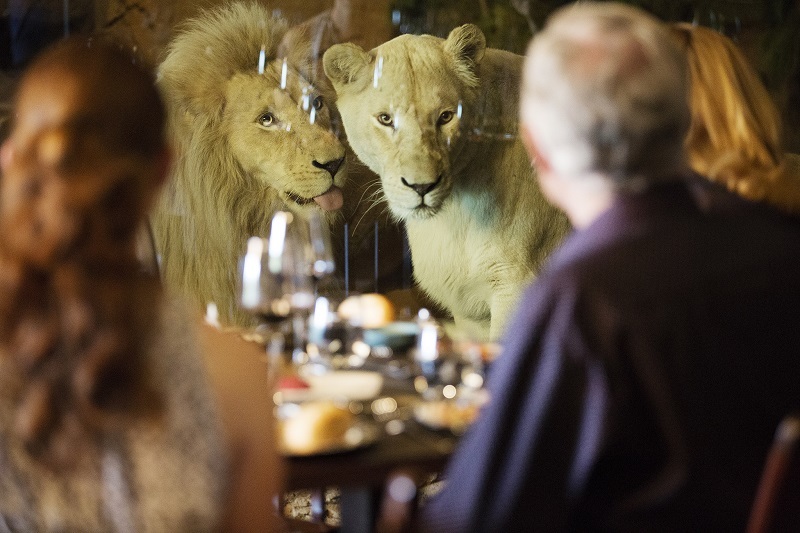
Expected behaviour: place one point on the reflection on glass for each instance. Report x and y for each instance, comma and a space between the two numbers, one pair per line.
296, 68
327, 335
274, 279
321, 259
445, 367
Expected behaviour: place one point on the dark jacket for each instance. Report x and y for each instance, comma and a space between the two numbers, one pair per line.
642, 378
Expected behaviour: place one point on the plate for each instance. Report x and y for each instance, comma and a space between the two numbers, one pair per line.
360, 435
451, 415
352, 385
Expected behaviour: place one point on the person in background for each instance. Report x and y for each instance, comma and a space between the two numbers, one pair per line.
648, 366
115, 413
736, 135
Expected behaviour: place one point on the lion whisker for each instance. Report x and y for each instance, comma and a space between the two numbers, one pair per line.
366, 189
365, 214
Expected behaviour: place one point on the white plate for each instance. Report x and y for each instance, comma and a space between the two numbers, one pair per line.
452, 415
352, 385
360, 435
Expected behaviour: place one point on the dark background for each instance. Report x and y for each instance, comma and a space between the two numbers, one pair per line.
767, 30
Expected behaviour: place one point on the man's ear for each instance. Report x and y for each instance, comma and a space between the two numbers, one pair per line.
541, 163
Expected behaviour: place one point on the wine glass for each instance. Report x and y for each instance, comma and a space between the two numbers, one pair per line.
334, 341
321, 251
445, 368
274, 281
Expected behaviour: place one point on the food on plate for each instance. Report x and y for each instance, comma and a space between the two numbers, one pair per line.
371, 310
348, 384
314, 427
336, 386
447, 414
484, 351
292, 382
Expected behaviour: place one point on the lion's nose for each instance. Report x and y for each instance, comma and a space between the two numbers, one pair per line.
422, 188
330, 166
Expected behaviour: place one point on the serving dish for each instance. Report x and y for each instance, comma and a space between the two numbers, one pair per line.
360, 435
353, 385
454, 415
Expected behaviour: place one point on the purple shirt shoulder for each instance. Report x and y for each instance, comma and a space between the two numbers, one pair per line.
652, 342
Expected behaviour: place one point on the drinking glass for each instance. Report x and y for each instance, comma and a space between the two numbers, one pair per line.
274, 281
320, 248
444, 368
334, 342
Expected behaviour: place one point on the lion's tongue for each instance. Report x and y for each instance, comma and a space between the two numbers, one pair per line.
331, 199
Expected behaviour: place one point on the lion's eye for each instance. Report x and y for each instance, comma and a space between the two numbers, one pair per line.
385, 119
319, 102
266, 119
444, 118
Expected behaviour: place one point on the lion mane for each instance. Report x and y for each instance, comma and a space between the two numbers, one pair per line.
239, 120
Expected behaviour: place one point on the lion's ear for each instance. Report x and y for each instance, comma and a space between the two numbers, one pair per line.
345, 64
466, 44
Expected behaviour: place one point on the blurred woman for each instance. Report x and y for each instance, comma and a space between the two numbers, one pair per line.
735, 137
110, 418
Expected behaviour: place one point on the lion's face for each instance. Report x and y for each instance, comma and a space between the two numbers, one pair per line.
282, 137
402, 105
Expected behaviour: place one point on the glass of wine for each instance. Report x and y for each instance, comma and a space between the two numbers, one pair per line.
321, 251
274, 281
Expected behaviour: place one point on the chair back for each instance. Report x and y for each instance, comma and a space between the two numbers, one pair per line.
399, 504
777, 503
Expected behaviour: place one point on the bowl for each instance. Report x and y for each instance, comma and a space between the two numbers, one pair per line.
398, 336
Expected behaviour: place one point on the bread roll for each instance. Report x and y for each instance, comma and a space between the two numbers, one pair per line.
371, 310
317, 426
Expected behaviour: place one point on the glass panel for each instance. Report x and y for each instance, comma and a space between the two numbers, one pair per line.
280, 126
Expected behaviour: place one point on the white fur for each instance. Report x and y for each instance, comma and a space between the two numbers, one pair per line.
484, 229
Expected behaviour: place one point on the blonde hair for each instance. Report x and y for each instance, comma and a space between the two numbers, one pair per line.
735, 136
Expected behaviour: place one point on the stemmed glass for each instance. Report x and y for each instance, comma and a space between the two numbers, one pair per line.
330, 336
320, 249
445, 368
274, 281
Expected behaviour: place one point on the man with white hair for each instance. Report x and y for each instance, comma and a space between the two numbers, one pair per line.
648, 366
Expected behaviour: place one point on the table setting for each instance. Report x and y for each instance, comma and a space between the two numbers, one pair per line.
359, 393
366, 368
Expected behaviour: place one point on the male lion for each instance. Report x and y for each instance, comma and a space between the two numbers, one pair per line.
252, 136
413, 109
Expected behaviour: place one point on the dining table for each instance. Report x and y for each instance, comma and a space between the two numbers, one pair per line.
361, 475
404, 445
398, 410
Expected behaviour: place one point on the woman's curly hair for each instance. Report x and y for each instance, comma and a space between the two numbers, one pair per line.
81, 168
735, 137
